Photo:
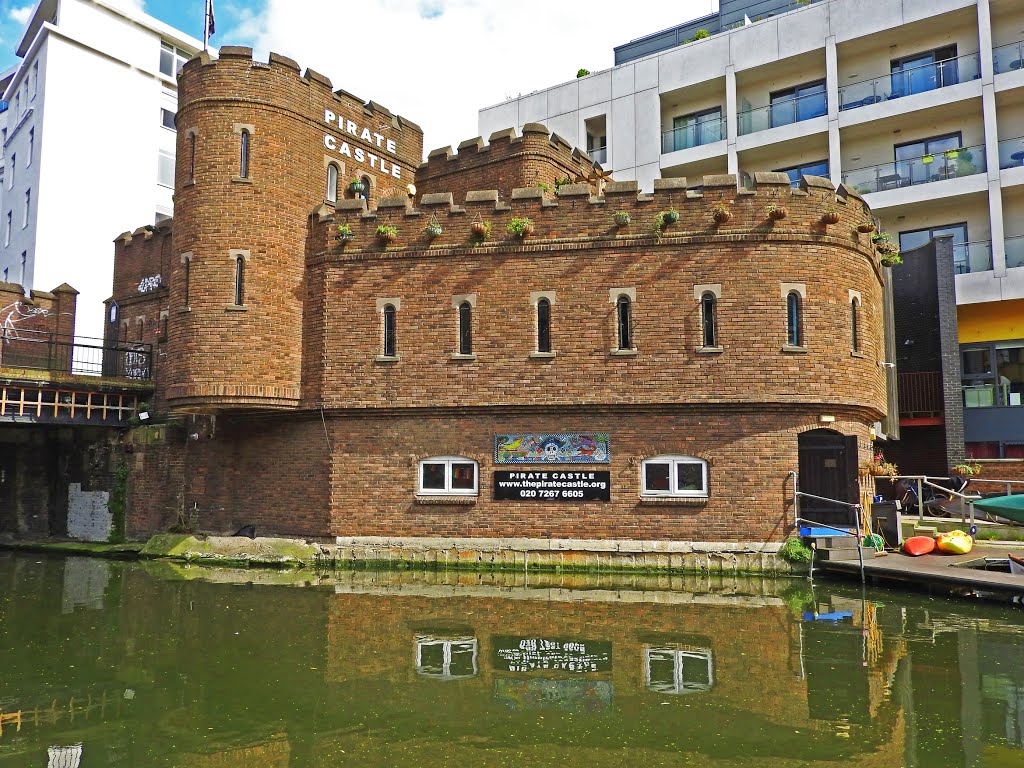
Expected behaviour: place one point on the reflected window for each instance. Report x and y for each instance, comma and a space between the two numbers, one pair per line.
677, 671
794, 105
674, 476
446, 658
797, 172
993, 374
332, 183
448, 475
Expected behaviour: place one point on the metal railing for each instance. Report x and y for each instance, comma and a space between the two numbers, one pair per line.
1011, 153
972, 257
782, 112
1015, 251
40, 351
921, 393
798, 519
1008, 58
920, 79
929, 481
696, 135
951, 164
599, 154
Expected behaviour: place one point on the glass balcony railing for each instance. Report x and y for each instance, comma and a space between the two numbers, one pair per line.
1015, 251
782, 112
972, 257
1011, 153
599, 154
1008, 58
699, 134
953, 164
926, 77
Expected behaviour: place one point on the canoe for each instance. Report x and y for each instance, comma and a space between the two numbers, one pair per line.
1010, 507
919, 545
954, 543
1016, 565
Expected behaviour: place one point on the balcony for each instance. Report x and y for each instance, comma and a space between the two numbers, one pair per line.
927, 77
1011, 153
599, 154
920, 395
953, 164
1014, 251
37, 351
972, 257
1008, 58
697, 135
782, 112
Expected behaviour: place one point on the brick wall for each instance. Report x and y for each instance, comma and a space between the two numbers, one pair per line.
507, 162
28, 322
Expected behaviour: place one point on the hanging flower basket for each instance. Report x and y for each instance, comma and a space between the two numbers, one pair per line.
481, 229
721, 214
433, 229
520, 227
357, 187
866, 227
830, 216
387, 234
622, 218
670, 216
777, 212
344, 233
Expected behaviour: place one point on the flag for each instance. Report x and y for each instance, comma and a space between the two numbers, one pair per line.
210, 27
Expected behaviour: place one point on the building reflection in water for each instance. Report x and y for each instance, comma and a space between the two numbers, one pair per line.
763, 673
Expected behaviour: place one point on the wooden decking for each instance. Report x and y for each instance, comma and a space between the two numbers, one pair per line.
939, 571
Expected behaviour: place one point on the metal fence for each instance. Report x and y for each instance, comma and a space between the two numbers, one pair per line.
41, 351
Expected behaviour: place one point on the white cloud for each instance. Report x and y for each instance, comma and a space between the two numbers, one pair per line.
21, 15
437, 62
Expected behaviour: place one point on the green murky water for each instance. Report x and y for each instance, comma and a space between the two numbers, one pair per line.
113, 664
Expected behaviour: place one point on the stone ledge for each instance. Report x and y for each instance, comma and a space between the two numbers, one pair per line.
461, 501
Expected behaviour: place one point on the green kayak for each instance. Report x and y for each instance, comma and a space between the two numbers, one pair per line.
1010, 507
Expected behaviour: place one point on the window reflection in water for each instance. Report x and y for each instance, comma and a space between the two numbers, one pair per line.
672, 670
446, 658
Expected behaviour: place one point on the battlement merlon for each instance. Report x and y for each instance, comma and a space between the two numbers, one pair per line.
575, 213
232, 58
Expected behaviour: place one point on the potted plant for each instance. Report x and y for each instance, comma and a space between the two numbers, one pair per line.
357, 187
433, 229
866, 227
888, 250
721, 214
776, 212
830, 216
965, 470
520, 226
879, 467
481, 229
387, 233
345, 233
622, 218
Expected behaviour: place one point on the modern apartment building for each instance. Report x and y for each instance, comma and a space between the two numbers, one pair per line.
88, 144
917, 104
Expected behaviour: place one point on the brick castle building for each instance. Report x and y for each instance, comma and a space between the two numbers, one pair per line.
511, 348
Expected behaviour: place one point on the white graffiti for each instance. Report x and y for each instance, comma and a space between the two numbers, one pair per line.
17, 313
150, 283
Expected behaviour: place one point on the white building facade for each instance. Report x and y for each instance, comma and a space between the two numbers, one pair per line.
88, 145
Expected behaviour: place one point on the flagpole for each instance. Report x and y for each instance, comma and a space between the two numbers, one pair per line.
206, 25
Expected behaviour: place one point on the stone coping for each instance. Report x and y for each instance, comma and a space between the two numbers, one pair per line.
431, 543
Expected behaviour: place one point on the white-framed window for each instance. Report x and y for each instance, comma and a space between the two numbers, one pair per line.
167, 118
673, 670
448, 476
447, 658
332, 183
685, 476
165, 169
171, 59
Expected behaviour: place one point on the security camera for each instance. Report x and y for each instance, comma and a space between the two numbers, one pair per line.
887, 365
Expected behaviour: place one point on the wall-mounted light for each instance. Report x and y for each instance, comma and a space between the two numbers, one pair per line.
825, 419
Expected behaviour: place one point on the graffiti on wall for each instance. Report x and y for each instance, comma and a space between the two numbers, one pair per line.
17, 314
567, 448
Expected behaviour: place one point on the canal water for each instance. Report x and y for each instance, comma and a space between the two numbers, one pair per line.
147, 664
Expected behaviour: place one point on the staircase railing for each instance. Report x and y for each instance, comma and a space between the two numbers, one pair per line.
922, 481
798, 519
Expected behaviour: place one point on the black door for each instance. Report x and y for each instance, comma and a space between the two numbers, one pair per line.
828, 468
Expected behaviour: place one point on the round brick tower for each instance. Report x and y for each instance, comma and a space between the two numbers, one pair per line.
255, 142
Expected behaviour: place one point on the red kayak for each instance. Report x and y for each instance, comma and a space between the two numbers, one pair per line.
919, 545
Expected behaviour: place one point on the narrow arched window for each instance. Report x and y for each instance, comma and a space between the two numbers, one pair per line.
709, 319
794, 332
187, 265
365, 194
239, 281
465, 328
332, 183
855, 342
191, 157
623, 312
140, 329
390, 331
543, 325
243, 164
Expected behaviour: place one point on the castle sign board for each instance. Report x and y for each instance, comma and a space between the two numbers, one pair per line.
558, 485
357, 153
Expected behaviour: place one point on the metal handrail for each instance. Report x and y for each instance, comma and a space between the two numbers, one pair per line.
797, 519
923, 480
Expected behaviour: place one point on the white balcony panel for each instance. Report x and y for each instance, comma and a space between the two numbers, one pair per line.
564, 98
756, 45
1012, 177
926, 100
622, 81
498, 118
1007, 81
693, 63
1013, 284
694, 154
782, 133
804, 31
891, 198
646, 74
534, 108
978, 288
595, 88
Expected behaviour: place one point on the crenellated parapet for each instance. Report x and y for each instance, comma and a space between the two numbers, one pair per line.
507, 161
142, 262
713, 209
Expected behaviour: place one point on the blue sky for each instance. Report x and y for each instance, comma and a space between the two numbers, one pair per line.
234, 20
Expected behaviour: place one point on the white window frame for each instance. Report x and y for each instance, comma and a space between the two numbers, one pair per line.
681, 686
673, 460
163, 155
172, 127
447, 643
448, 490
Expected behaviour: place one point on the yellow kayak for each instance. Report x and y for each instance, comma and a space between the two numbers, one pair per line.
954, 542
